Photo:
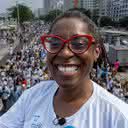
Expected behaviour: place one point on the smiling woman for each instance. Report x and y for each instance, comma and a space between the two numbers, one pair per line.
72, 99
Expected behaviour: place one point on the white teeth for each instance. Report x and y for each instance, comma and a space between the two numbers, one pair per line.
68, 68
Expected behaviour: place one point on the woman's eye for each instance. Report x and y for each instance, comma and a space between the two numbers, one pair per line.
78, 44
55, 44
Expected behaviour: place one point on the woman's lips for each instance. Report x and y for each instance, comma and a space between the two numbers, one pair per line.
68, 69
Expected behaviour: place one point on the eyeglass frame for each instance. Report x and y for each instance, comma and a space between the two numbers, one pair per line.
90, 38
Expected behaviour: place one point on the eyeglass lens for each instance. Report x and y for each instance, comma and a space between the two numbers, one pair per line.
76, 44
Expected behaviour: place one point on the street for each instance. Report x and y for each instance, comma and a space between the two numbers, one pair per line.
4, 49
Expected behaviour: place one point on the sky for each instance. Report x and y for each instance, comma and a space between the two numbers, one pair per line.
34, 4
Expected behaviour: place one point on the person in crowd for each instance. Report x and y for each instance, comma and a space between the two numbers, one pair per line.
71, 99
117, 64
109, 83
116, 67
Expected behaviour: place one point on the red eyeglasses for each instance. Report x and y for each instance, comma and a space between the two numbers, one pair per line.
77, 44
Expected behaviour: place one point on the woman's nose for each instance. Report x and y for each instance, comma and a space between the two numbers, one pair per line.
65, 51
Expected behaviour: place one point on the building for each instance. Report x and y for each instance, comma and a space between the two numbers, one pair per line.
87, 4
116, 9
56, 4
68, 4
46, 6
116, 44
49, 5
123, 9
103, 7
39, 12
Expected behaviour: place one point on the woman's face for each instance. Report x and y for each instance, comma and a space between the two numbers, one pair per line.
67, 68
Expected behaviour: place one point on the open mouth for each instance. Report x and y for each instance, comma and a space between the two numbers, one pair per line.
68, 68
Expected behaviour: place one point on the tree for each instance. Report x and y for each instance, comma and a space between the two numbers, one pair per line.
105, 21
95, 15
54, 13
51, 15
83, 10
25, 13
41, 17
124, 22
116, 23
1, 18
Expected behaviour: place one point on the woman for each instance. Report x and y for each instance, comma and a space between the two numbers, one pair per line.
73, 100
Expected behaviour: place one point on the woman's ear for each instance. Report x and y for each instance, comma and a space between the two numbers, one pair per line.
97, 52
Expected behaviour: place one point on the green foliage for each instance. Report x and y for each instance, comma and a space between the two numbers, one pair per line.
106, 21
51, 15
95, 16
42, 18
25, 13
1, 18
116, 24
83, 10
54, 13
124, 22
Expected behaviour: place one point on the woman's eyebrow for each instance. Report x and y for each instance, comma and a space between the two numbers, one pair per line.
57, 35
75, 34
64, 37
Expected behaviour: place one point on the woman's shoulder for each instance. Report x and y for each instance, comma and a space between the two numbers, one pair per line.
111, 101
42, 87
41, 90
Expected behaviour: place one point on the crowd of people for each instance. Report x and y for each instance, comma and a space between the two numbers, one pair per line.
108, 80
8, 36
27, 67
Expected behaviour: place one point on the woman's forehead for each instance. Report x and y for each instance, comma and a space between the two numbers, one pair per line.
70, 25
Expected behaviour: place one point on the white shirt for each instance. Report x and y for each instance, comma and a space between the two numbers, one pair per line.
109, 84
34, 109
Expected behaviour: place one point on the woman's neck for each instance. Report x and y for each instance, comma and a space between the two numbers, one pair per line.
75, 94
